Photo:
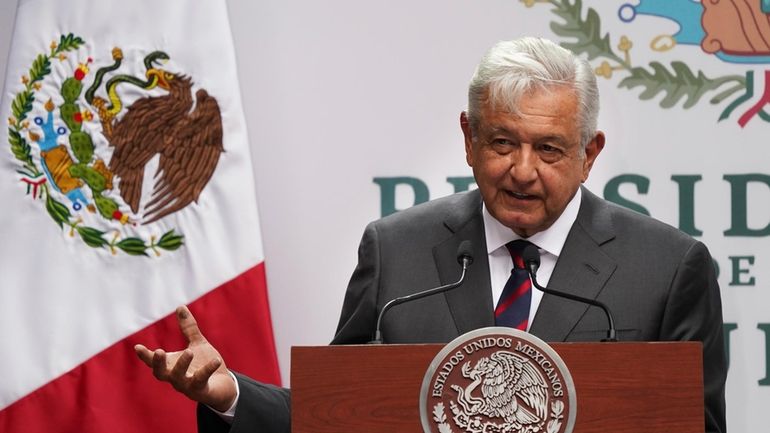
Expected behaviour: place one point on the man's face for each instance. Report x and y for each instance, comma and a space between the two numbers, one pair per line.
529, 166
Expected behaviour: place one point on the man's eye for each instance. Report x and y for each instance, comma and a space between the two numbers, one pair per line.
549, 153
549, 149
502, 145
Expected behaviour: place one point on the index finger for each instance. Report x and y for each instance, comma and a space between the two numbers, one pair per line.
144, 354
188, 325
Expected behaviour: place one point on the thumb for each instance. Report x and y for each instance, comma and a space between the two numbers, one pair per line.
188, 325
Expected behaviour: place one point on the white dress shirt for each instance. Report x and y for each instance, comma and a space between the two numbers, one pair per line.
549, 242
229, 414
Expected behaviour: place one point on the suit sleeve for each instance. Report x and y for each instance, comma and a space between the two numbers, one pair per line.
359, 310
261, 408
694, 312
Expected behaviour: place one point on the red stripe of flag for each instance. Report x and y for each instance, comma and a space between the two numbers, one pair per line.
115, 392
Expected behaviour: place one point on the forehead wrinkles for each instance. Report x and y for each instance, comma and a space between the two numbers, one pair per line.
555, 104
549, 111
542, 126
533, 137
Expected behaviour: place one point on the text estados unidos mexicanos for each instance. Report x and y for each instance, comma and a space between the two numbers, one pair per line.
502, 342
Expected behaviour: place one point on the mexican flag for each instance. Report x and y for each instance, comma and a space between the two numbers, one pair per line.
127, 190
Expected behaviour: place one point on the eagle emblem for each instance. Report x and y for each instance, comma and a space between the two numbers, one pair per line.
511, 389
497, 380
185, 132
87, 143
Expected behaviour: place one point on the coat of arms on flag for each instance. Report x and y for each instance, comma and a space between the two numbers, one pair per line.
86, 135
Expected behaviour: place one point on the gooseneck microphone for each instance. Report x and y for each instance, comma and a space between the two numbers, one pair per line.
464, 257
531, 258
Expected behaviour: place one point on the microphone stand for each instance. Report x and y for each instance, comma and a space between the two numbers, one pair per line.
466, 261
534, 263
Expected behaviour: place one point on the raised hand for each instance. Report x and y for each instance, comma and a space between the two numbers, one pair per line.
197, 371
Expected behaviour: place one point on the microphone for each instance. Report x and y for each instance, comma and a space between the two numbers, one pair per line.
464, 258
531, 258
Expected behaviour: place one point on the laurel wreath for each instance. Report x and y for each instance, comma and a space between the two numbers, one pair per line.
676, 83
22, 151
439, 417
557, 410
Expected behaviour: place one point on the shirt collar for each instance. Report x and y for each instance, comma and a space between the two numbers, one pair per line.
550, 240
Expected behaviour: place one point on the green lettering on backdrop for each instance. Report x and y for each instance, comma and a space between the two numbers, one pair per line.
765, 327
388, 186
462, 183
612, 191
738, 270
738, 189
687, 203
727, 328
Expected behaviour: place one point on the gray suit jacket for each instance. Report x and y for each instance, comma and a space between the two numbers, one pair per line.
658, 282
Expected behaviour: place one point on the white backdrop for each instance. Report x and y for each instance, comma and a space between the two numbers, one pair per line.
339, 92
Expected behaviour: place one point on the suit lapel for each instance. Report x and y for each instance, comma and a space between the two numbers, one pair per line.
471, 303
582, 269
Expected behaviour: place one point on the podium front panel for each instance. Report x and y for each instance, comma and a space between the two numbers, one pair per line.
620, 387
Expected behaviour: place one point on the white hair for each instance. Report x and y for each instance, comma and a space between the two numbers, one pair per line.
511, 69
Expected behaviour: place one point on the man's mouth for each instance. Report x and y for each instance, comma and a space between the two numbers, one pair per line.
520, 195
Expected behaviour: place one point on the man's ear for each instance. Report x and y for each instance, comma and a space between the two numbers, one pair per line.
465, 125
593, 149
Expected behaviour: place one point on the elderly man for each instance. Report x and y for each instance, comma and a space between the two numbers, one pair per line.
531, 139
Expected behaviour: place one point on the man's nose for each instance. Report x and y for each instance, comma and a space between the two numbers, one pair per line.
524, 165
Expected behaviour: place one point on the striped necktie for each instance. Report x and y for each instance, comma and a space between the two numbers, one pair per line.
513, 306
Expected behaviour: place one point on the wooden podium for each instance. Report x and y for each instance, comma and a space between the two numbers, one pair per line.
620, 387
